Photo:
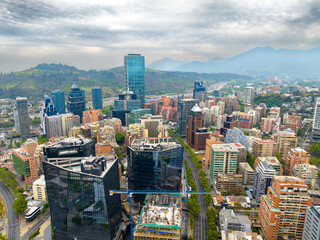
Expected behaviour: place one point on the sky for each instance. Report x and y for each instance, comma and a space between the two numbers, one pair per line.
96, 34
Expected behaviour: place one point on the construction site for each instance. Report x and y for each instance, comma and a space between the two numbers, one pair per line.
161, 218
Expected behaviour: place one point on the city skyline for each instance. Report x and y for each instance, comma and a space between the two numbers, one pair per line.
95, 35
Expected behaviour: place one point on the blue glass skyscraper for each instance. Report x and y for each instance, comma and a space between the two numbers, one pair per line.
97, 98
76, 103
58, 101
84, 98
134, 73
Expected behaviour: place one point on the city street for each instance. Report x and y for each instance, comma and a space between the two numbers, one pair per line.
37, 225
13, 220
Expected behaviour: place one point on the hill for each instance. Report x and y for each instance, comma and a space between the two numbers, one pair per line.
44, 78
261, 61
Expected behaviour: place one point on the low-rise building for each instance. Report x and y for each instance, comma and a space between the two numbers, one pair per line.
239, 235
230, 221
228, 184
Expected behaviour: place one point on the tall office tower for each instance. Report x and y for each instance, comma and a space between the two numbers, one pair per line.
80, 205
315, 134
84, 98
199, 92
264, 148
154, 165
248, 95
311, 229
59, 101
21, 117
134, 73
230, 123
196, 134
59, 125
283, 209
223, 159
76, 104
263, 175
97, 98
48, 109
122, 107
183, 111
295, 156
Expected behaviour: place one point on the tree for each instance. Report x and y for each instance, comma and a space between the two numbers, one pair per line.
300, 132
248, 213
120, 137
194, 207
2, 143
278, 156
120, 155
20, 205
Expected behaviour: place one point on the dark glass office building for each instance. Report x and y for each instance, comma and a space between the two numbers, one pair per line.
76, 104
127, 101
155, 165
183, 112
134, 73
97, 98
84, 98
59, 101
80, 205
199, 91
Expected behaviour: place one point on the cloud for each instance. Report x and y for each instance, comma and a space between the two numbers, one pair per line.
187, 30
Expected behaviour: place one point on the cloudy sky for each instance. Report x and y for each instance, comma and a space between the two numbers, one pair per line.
96, 34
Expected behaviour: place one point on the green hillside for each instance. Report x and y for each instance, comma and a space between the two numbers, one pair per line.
35, 82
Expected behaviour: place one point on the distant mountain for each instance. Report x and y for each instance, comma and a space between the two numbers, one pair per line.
166, 64
44, 78
262, 61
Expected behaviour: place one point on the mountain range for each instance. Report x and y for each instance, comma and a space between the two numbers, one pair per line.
44, 78
261, 61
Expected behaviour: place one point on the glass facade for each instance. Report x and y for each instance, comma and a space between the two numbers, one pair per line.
22, 120
59, 101
199, 91
134, 73
76, 102
97, 98
80, 205
154, 169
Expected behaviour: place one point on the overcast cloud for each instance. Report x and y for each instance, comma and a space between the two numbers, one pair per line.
97, 34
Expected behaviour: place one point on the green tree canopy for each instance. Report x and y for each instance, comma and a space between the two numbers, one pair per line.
20, 205
120, 137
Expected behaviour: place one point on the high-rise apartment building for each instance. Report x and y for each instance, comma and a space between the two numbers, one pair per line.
80, 204
59, 101
76, 102
306, 172
59, 125
154, 166
247, 172
262, 179
97, 98
311, 229
315, 134
267, 124
209, 142
264, 148
295, 156
199, 91
183, 111
273, 161
228, 184
223, 159
93, 115
286, 141
248, 95
283, 209
134, 75
21, 117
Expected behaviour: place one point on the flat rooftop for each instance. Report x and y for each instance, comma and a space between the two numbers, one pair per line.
70, 141
298, 149
272, 160
144, 145
229, 216
162, 210
230, 147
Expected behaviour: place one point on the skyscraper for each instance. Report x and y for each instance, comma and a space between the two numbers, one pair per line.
315, 134
311, 229
21, 117
134, 74
199, 92
80, 205
97, 98
249, 95
283, 209
84, 98
76, 103
184, 109
59, 101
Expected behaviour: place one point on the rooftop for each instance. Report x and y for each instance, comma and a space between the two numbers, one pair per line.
162, 210
229, 216
230, 147
238, 235
196, 108
246, 166
143, 144
272, 160
298, 149
71, 141
262, 141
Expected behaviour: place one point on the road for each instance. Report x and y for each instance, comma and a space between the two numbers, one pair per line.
13, 219
37, 225
201, 222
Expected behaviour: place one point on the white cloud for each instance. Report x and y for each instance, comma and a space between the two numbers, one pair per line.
188, 30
